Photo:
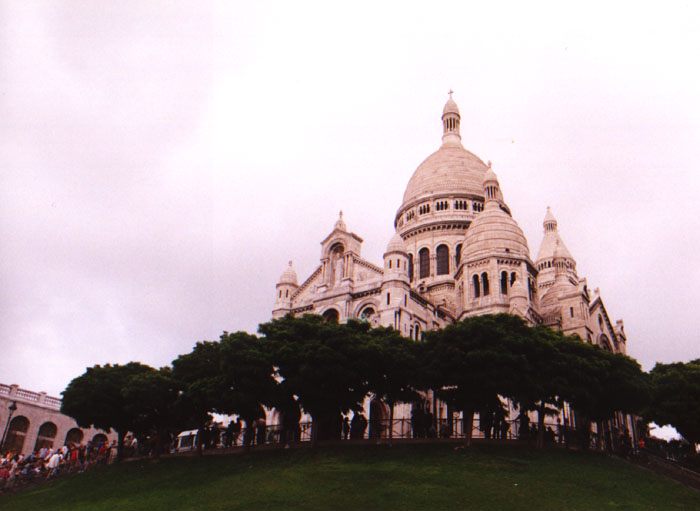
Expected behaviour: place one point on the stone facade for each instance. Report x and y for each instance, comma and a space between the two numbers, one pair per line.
457, 252
37, 422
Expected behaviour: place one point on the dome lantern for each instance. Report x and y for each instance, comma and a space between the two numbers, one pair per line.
450, 123
491, 187
550, 223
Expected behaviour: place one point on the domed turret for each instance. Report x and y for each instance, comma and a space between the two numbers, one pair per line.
285, 290
396, 245
518, 303
552, 242
396, 260
289, 276
494, 231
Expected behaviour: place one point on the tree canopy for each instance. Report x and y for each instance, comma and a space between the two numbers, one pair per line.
675, 397
97, 398
328, 369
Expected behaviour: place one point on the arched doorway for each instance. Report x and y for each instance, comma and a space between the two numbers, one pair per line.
99, 438
331, 316
74, 436
46, 436
378, 419
16, 434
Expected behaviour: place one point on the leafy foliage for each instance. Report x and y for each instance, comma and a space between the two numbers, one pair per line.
676, 397
97, 398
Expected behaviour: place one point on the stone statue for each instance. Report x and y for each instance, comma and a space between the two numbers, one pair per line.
340, 269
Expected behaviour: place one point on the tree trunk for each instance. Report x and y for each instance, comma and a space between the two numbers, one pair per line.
120, 445
156, 445
541, 413
314, 431
468, 425
200, 437
391, 423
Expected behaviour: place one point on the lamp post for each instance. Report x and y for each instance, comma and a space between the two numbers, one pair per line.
12, 408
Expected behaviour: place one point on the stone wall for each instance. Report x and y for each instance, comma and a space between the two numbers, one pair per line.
39, 413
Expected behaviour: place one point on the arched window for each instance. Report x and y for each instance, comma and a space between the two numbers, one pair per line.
330, 316
424, 263
485, 283
410, 267
74, 436
99, 438
458, 254
46, 435
512, 278
443, 260
605, 343
504, 282
14, 441
477, 290
367, 313
416, 332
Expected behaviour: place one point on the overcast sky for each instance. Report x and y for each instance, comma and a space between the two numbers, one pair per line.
161, 162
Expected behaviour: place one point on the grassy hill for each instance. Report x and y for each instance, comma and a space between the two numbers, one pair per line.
366, 477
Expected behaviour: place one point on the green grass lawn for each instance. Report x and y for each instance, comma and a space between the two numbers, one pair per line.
362, 477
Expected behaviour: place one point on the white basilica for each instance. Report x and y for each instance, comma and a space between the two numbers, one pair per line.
457, 252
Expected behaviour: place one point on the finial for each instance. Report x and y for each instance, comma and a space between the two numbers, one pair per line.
450, 92
339, 224
489, 163
290, 263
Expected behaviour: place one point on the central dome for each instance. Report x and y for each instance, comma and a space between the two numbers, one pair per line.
450, 169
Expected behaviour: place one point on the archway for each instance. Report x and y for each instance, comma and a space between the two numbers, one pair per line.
336, 264
99, 438
16, 434
46, 435
331, 316
378, 419
367, 313
74, 436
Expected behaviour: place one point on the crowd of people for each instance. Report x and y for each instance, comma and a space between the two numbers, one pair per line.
17, 470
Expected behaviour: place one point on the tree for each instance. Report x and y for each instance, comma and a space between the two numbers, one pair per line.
200, 384
96, 398
248, 377
542, 378
151, 398
470, 365
391, 364
675, 397
319, 363
599, 383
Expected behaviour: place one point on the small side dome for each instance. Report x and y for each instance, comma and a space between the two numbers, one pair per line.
396, 245
560, 252
490, 176
550, 223
517, 290
289, 276
450, 107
